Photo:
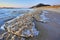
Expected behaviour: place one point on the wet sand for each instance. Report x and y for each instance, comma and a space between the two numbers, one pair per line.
51, 29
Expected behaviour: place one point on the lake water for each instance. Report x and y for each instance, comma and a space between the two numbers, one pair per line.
8, 14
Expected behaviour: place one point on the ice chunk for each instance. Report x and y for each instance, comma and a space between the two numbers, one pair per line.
22, 38
45, 11
2, 27
34, 30
43, 17
28, 31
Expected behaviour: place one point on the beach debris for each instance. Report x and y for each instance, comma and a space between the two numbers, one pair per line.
21, 26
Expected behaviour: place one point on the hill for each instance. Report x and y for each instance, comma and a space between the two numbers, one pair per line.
40, 5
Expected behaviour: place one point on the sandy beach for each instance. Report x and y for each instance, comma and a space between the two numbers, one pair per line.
51, 29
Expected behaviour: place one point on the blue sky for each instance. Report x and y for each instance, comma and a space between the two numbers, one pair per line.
26, 3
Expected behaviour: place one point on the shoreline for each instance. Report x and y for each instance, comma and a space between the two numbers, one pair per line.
49, 30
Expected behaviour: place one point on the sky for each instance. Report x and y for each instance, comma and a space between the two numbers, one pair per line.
26, 3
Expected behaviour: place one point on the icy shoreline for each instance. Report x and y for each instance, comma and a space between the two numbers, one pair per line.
23, 25
8, 14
